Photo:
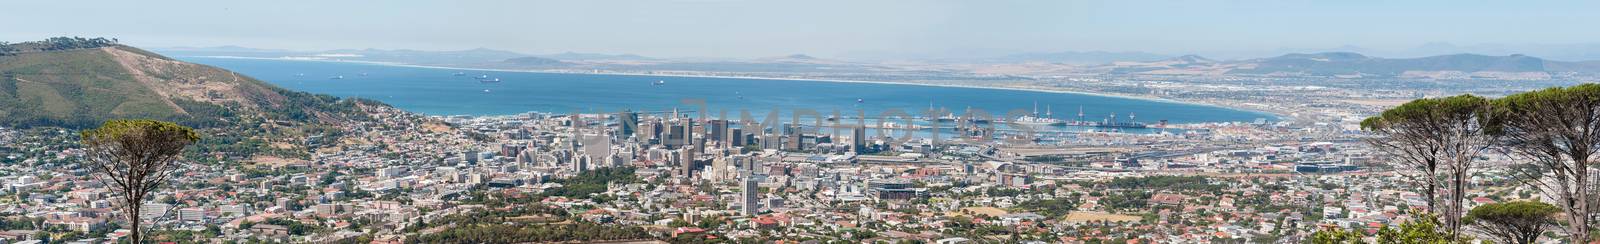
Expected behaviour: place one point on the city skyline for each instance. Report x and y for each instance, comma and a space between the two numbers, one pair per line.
872, 30
818, 122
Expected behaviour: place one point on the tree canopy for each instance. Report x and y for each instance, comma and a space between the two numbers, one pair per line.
1456, 108
127, 130
1513, 222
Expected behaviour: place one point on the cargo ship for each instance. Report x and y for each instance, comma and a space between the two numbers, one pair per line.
1109, 122
1035, 119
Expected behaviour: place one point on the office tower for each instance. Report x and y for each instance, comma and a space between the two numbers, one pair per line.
688, 132
750, 196
752, 165
769, 141
673, 157
858, 140
621, 158
630, 122
597, 145
795, 136
683, 137
650, 131
581, 163
737, 137
511, 149
717, 130
719, 169
674, 137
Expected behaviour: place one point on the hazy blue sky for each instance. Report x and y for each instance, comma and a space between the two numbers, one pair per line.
733, 28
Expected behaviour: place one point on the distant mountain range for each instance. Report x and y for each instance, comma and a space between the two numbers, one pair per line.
1345, 63
80, 82
593, 56
1349, 64
1081, 58
1560, 52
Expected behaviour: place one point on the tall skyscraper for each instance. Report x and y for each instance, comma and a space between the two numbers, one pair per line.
652, 131
581, 163
619, 159
675, 136
690, 149
795, 137
858, 140
750, 196
719, 169
686, 163
630, 123
717, 130
751, 164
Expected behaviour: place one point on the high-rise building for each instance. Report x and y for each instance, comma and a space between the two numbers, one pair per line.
858, 140
770, 141
672, 157
691, 148
651, 131
718, 170
717, 130
749, 164
741, 166
674, 136
688, 132
525, 158
581, 163
620, 158
596, 145
750, 196
630, 122
686, 163
796, 135
511, 149
736, 137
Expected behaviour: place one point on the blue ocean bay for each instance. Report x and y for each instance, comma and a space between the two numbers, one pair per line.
438, 91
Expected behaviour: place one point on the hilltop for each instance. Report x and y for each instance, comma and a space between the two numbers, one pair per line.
79, 82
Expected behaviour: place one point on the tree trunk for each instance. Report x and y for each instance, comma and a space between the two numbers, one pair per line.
133, 226
135, 236
1581, 220
1433, 198
1457, 205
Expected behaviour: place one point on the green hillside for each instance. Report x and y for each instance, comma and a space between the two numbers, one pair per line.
77, 83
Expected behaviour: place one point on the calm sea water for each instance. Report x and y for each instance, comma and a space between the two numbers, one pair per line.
436, 91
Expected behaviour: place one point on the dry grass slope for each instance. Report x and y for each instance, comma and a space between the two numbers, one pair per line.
80, 87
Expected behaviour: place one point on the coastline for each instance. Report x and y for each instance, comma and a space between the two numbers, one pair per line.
1272, 115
